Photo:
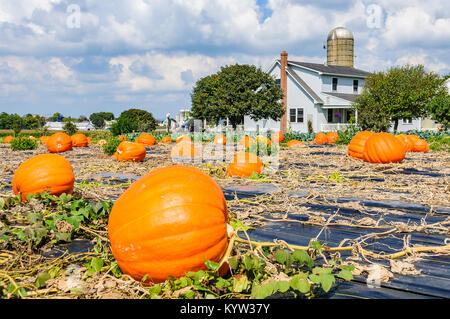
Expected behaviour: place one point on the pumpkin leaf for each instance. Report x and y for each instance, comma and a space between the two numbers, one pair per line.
303, 258
238, 225
300, 283
213, 266
240, 283
41, 279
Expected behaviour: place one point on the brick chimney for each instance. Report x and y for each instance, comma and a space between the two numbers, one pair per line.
283, 85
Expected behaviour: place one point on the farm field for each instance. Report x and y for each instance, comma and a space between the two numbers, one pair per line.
375, 217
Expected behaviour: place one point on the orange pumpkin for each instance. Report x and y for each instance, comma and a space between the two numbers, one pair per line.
420, 145
89, 139
168, 223
8, 139
246, 141
44, 139
122, 138
146, 139
384, 148
183, 138
405, 140
262, 140
184, 149
129, 151
356, 145
102, 142
295, 143
220, 139
46, 172
332, 137
277, 137
79, 140
320, 138
59, 142
166, 139
244, 164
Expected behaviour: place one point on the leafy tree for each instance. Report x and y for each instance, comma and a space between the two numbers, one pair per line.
98, 119
234, 92
400, 93
55, 117
70, 128
17, 126
439, 109
134, 120
33, 122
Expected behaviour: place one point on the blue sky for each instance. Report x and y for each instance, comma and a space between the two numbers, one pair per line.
83, 56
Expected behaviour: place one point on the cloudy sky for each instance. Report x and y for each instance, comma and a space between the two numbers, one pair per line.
83, 56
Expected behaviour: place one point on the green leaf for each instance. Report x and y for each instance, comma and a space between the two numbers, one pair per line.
317, 246
283, 257
67, 237
302, 257
41, 279
327, 281
300, 283
345, 274
282, 286
211, 265
221, 283
96, 264
233, 262
238, 225
190, 294
263, 291
240, 283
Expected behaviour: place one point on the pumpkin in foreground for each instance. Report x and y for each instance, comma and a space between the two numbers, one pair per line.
356, 145
49, 173
332, 137
244, 165
168, 223
320, 138
59, 142
384, 148
129, 151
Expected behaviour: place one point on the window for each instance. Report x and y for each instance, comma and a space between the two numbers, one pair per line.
335, 83
330, 115
355, 86
299, 115
407, 121
296, 115
278, 82
292, 115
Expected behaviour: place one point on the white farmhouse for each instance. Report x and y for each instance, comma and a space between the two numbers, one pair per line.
319, 93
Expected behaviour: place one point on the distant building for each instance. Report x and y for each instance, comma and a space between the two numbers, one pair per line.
59, 126
321, 94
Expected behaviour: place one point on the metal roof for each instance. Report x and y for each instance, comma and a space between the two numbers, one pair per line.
340, 33
344, 96
331, 69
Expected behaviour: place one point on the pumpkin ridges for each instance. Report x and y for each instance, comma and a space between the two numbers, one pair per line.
384, 148
356, 145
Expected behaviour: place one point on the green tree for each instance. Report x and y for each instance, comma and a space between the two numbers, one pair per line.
439, 109
400, 93
134, 120
234, 92
98, 119
55, 117
70, 128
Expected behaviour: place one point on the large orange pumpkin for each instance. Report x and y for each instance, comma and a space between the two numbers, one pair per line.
408, 142
129, 151
146, 139
8, 139
384, 148
420, 145
44, 139
184, 149
332, 137
220, 139
167, 223
295, 143
244, 164
79, 140
356, 145
59, 142
46, 172
320, 138
166, 139
277, 137
183, 138
246, 141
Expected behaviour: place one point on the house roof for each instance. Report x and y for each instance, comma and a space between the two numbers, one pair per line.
305, 86
344, 96
331, 69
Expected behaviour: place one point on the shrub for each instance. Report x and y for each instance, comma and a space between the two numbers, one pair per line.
23, 144
111, 147
70, 128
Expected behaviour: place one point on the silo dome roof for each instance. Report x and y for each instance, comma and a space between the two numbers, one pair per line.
340, 33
